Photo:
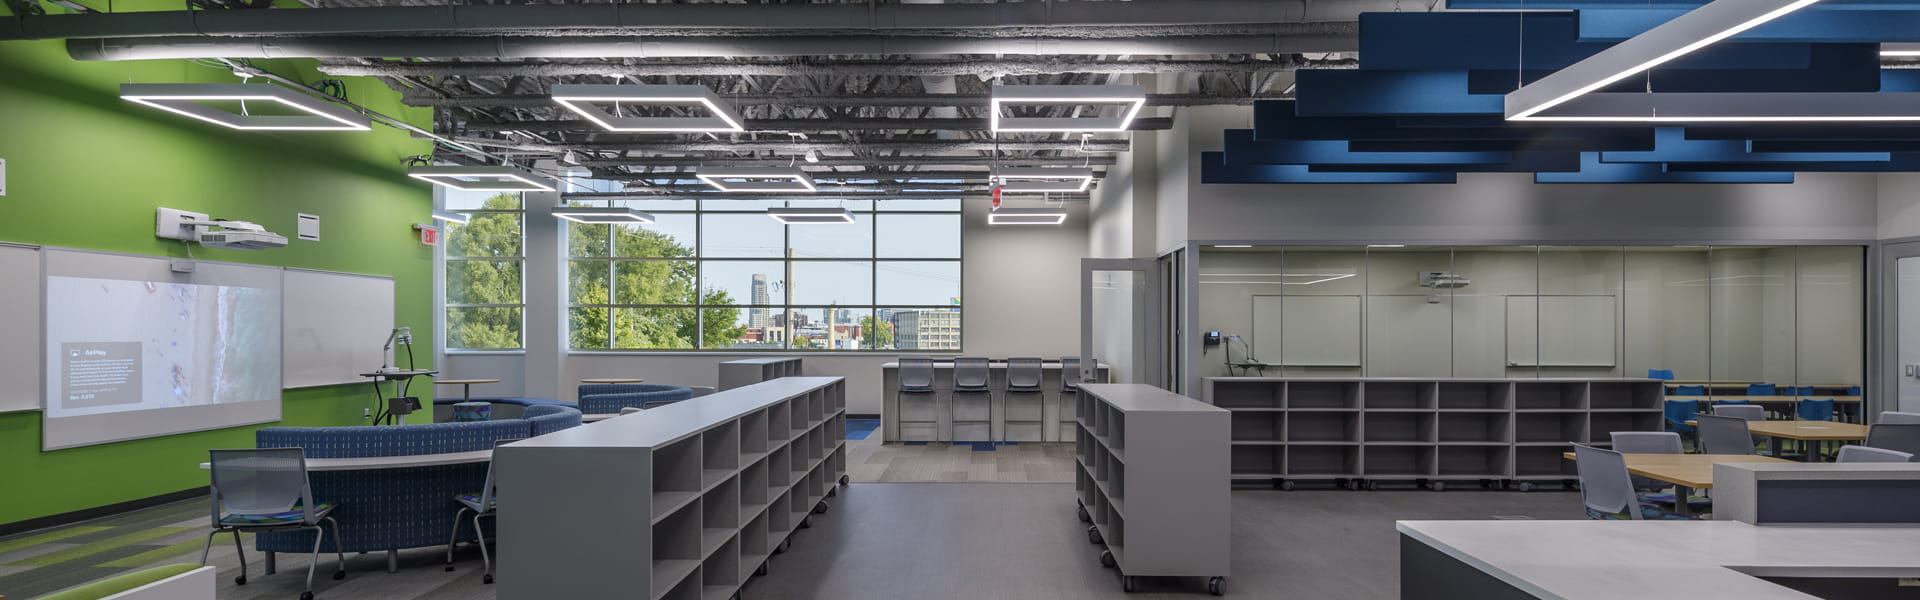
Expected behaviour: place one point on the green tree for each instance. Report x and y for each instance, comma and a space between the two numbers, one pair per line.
496, 235
875, 334
653, 282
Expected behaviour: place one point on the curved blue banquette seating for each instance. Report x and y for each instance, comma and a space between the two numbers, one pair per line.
389, 509
503, 408
603, 398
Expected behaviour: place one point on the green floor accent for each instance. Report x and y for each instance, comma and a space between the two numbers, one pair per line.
51, 536
52, 558
159, 554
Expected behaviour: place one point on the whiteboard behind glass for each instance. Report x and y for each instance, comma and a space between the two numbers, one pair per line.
20, 319
336, 324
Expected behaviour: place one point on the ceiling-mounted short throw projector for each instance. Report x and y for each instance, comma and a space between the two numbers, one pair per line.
214, 233
1443, 279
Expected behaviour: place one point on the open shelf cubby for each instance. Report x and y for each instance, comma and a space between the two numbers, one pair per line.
1258, 461
1549, 395
1398, 395
1399, 427
1474, 462
1603, 425
1544, 462
1550, 427
1323, 395
1233, 395
1328, 461
1475, 427
1475, 395
1259, 426
1398, 461
1323, 427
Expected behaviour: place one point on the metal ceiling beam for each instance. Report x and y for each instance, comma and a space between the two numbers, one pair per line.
979, 101
642, 194
837, 124
835, 161
515, 47
657, 144
984, 67
924, 177
686, 19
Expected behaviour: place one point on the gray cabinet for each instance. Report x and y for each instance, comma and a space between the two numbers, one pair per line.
749, 371
1153, 480
1360, 432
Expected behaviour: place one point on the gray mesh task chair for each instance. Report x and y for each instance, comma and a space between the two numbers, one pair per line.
918, 420
266, 489
1864, 454
481, 504
972, 377
1724, 435
1023, 380
1899, 437
1895, 417
1606, 489
1069, 396
1751, 412
1656, 442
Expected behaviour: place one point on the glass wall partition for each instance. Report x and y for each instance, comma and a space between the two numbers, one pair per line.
1786, 315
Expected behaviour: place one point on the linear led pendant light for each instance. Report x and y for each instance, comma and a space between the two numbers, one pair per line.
1131, 99
450, 216
756, 179
1027, 216
483, 178
1042, 179
602, 214
1567, 94
581, 99
186, 99
811, 216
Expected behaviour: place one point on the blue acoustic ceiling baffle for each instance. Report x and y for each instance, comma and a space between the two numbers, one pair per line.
1428, 99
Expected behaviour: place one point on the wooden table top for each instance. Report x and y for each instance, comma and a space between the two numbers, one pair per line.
463, 381
1763, 399
614, 380
1817, 431
1691, 470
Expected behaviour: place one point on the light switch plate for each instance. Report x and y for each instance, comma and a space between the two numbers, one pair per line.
3, 177
309, 228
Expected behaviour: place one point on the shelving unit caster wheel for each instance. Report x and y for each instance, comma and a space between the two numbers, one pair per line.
1486, 484
1217, 586
760, 570
844, 480
241, 580
806, 523
1084, 517
1371, 485
1569, 484
1128, 584
1093, 535
1286, 486
306, 595
1106, 559
821, 508
1438, 486
487, 580
784, 544
339, 575
831, 492
1524, 486
449, 568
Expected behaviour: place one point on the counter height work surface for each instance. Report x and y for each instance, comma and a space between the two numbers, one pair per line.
370, 463
1806, 431
928, 418
1634, 560
1686, 472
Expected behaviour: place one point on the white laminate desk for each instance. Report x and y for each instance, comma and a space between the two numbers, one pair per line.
1632, 560
369, 463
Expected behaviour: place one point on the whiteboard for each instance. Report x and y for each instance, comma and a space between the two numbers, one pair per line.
1407, 336
20, 319
1569, 331
334, 326
1307, 331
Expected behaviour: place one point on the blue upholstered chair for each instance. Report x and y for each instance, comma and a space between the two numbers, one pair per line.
1796, 390
548, 418
1814, 409
1660, 374
609, 398
1689, 390
1762, 389
1678, 412
1852, 391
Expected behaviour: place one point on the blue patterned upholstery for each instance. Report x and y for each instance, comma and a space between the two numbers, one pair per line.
1647, 511
1696, 503
290, 517
383, 509
548, 418
607, 398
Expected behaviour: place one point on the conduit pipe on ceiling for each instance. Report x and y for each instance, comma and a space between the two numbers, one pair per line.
678, 18
787, 67
521, 47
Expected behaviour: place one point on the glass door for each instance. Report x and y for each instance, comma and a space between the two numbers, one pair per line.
1120, 324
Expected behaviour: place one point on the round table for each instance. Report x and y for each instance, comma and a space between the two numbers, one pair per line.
466, 392
614, 380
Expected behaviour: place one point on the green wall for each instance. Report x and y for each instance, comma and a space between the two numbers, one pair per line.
86, 169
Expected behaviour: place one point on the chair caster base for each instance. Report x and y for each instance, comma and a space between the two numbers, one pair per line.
339, 575
306, 595
1217, 586
241, 580
488, 579
449, 568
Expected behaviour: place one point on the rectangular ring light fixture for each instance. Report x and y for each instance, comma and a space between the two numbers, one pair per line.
1042, 179
483, 178
756, 179
186, 99
810, 216
1130, 98
601, 214
1027, 216
583, 100
1699, 28
450, 216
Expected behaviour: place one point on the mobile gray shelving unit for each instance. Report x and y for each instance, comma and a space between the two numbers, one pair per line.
681, 502
749, 371
1153, 480
1360, 432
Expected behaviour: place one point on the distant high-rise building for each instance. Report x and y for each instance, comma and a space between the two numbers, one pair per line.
927, 329
757, 317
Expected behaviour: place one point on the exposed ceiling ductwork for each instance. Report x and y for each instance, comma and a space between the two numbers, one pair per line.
947, 100
803, 67
858, 124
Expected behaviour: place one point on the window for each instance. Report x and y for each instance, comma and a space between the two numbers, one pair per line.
721, 275
485, 262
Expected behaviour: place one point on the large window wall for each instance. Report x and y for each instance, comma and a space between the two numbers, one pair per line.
485, 266
722, 275
1780, 314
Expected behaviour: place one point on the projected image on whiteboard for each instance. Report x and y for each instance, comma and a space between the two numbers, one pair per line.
118, 345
